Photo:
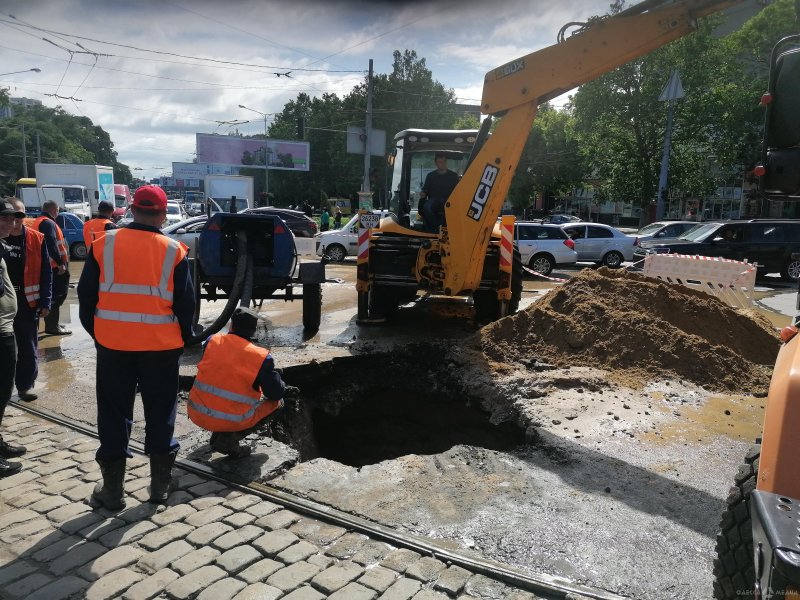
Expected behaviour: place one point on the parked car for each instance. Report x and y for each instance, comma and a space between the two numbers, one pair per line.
544, 247
559, 219
662, 230
767, 243
338, 244
175, 213
598, 243
72, 227
295, 220
186, 231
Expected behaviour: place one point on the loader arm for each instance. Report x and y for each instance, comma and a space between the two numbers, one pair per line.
517, 88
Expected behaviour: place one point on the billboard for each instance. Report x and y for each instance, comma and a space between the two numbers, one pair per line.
184, 170
252, 153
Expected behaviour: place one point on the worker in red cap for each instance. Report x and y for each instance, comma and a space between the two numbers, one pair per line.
137, 302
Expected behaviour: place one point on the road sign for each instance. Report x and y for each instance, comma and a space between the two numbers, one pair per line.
370, 220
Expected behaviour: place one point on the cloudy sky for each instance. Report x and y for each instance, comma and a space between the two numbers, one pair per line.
145, 71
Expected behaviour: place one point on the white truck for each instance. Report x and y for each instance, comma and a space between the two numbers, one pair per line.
222, 188
83, 185
34, 197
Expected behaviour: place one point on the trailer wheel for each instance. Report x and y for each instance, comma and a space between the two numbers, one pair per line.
312, 306
734, 571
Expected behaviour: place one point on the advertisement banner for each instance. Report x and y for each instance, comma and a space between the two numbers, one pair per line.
184, 170
252, 153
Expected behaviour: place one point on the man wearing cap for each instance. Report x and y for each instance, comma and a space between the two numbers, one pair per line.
137, 302
29, 268
8, 347
94, 228
236, 387
59, 261
438, 186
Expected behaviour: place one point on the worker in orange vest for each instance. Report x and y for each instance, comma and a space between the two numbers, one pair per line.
137, 302
94, 228
59, 260
29, 268
237, 386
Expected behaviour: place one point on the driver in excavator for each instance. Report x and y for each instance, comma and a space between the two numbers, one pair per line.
437, 188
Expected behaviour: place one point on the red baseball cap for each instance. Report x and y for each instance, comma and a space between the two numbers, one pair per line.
150, 197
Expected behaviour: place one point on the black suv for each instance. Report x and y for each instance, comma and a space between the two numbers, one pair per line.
295, 220
767, 243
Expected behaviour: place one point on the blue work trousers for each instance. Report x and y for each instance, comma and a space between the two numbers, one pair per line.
118, 374
26, 332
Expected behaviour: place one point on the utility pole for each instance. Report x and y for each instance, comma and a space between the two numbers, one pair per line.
365, 186
38, 149
671, 93
24, 154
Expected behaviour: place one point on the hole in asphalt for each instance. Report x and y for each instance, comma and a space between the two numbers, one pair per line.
366, 409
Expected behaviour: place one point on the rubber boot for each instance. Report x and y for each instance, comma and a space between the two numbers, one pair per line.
110, 493
161, 476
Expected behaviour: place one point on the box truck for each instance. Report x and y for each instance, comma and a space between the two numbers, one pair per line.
223, 188
82, 183
34, 197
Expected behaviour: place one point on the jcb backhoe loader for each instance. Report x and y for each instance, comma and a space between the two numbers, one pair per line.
473, 255
758, 546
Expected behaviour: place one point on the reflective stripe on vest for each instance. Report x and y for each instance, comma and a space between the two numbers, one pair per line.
217, 414
93, 229
32, 270
134, 308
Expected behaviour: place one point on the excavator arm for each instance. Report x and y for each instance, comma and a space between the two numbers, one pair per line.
514, 91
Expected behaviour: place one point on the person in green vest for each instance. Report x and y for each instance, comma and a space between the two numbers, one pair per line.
325, 220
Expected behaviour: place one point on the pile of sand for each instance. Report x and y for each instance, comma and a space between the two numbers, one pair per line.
642, 329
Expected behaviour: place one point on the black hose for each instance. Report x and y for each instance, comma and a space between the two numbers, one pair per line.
243, 267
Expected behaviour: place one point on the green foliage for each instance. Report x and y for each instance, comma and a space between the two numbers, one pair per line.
63, 138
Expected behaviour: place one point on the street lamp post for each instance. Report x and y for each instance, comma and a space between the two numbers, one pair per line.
266, 167
34, 69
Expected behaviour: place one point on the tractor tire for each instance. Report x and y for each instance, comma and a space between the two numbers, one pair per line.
312, 306
734, 571
487, 306
383, 302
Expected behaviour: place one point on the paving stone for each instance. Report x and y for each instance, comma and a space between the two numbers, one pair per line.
26, 499
242, 502
336, 577
187, 586
16, 517
164, 535
399, 560
139, 483
61, 515
142, 495
138, 512
278, 520
320, 560
522, 595
317, 532
260, 570
23, 530
113, 584
273, 542
224, 589
25, 488
292, 576
127, 535
259, 591
160, 559
13, 481
371, 552
206, 502
354, 591
484, 587
79, 492
173, 514
297, 552
101, 528
60, 589
53, 551
402, 589
207, 487
152, 586
35, 542
425, 569
239, 519
77, 556
431, 595
54, 478
82, 522
24, 587
116, 558
236, 559
61, 486
304, 593
14, 571
347, 545
179, 497
378, 578
208, 515
237, 537
208, 533
195, 559
188, 480
262, 509
452, 580
54, 467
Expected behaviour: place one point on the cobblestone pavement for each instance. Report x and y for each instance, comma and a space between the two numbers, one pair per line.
210, 542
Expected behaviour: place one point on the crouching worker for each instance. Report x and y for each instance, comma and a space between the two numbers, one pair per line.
236, 387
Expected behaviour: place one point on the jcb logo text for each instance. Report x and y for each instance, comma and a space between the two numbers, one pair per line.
482, 193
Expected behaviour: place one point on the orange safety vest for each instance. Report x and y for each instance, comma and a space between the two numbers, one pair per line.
61, 243
134, 306
222, 397
93, 229
32, 272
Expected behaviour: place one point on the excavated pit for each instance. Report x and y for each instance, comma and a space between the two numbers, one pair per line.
363, 410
